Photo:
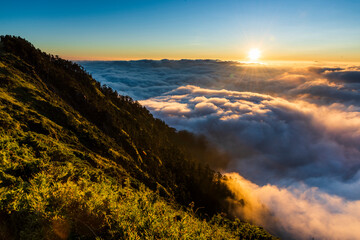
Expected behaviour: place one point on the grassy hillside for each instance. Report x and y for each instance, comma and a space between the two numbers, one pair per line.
77, 160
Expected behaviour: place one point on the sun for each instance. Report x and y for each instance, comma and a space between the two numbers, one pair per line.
254, 54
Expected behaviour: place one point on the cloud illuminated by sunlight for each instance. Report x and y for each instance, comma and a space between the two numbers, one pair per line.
291, 130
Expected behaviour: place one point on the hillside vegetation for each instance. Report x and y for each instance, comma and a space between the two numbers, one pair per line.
79, 161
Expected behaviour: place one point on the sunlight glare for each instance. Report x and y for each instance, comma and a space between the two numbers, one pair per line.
254, 54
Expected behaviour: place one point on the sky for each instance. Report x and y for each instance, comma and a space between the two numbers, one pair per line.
188, 29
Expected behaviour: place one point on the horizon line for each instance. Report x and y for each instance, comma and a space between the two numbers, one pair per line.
210, 59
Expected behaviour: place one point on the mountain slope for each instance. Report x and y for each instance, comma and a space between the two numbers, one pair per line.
80, 161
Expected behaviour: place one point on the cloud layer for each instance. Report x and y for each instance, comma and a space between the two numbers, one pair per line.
295, 213
272, 140
292, 131
313, 82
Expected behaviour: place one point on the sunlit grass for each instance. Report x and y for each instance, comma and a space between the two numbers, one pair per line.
70, 199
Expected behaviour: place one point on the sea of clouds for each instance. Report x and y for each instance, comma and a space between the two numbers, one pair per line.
292, 131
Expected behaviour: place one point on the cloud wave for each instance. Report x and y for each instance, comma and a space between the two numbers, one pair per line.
295, 213
272, 140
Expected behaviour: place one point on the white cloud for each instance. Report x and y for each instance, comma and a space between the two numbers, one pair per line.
295, 213
271, 139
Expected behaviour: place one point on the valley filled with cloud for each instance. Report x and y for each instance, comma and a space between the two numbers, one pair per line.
292, 132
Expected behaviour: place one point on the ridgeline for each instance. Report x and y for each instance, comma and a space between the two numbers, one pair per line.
80, 161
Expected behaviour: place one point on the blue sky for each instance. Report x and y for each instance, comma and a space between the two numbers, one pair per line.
283, 30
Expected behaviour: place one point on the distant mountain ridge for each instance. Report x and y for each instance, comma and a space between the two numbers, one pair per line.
80, 161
